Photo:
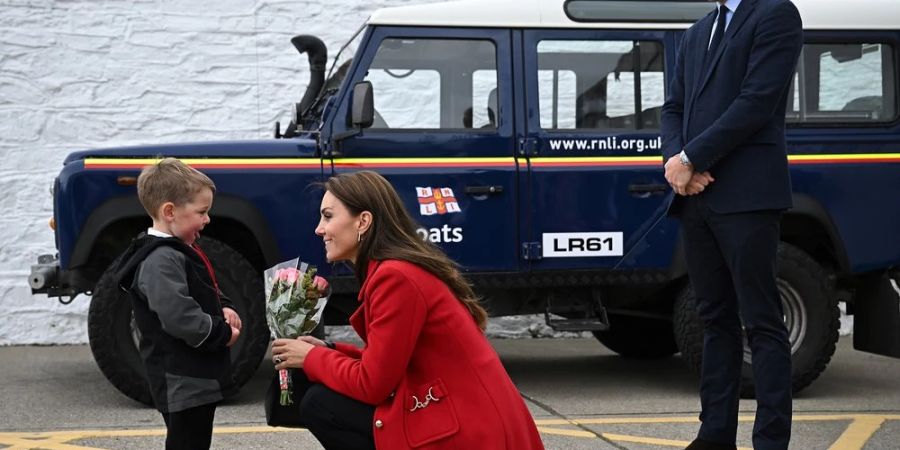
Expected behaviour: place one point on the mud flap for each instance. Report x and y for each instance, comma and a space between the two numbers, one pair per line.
876, 323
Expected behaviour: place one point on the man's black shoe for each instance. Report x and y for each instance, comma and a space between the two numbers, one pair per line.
700, 444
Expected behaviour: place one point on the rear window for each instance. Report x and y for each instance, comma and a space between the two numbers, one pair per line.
844, 83
600, 84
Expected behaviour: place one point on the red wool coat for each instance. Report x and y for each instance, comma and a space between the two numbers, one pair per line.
434, 379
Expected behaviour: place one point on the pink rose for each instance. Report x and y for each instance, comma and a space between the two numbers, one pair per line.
287, 276
320, 283
291, 275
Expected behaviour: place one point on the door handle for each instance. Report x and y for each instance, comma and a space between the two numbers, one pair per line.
648, 188
483, 190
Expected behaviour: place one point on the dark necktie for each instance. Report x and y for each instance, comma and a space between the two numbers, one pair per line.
718, 34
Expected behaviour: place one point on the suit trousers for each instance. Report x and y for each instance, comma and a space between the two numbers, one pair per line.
190, 429
731, 262
337, 421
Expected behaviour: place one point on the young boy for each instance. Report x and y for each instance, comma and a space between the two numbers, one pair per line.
186, 324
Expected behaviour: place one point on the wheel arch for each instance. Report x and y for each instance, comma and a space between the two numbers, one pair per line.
111, 226
809, 227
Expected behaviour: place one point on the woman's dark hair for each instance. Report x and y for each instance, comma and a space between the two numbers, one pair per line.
393, 235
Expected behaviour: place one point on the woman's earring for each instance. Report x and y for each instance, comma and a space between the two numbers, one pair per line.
358, 237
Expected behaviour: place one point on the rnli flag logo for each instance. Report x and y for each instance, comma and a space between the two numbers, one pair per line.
436, 201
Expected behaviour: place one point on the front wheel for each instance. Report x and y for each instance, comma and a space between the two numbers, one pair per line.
811, 316
114, 337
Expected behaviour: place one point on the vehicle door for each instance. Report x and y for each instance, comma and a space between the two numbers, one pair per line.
596, 180
442, 135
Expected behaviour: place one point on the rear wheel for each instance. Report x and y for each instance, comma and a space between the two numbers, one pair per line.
811, 316
113, 335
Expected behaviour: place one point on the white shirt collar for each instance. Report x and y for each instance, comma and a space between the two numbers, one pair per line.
732, 5
154, 232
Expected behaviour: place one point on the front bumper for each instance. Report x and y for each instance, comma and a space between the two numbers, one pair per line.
47, 278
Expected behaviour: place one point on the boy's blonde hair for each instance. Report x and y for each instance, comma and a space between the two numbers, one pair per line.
170, 180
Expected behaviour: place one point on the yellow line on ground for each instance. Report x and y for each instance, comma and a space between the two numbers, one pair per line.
861, 428
694, 419
55, 443
57, 440
634, 420
832, 417
858, 433
540, 422
644, 440
570, 433
81, 434
651, 441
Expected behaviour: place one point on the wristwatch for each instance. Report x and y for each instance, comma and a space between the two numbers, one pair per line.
683, 157
328, 343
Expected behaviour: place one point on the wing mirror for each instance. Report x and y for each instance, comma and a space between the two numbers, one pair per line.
362, 111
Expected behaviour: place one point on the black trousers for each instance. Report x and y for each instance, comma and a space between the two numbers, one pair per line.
190, 429
731, 263
337, 421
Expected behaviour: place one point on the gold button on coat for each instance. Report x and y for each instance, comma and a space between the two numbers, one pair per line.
379, 423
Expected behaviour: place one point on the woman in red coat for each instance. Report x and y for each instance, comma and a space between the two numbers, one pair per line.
427, 377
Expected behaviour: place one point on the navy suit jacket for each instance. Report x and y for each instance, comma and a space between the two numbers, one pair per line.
729, 119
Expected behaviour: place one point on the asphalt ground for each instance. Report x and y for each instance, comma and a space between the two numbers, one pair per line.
582, 396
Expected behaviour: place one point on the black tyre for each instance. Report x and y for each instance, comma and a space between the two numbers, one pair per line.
113, 336
639, 337
811, 315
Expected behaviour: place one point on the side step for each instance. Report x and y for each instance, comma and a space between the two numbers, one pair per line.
579, 315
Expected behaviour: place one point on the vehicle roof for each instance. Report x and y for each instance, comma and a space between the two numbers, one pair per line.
817, 15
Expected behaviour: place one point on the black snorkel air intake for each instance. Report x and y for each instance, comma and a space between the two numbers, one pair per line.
318, 57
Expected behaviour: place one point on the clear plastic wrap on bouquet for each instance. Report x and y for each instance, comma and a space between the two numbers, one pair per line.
295, 300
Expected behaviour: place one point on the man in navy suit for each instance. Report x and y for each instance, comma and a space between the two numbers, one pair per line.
724, 147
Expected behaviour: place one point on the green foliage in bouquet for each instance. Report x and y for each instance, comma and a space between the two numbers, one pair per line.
295, 302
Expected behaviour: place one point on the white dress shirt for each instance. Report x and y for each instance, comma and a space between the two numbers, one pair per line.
732, 6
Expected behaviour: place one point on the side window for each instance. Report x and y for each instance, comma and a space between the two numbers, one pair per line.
844, 83
600, 85
434, 84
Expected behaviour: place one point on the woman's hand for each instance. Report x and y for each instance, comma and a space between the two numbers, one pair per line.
291, 353
313, 341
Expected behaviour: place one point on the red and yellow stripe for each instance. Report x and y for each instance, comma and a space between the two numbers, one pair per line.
415, 163
869, 158
438, 163
651, 161
207, 163
597, 161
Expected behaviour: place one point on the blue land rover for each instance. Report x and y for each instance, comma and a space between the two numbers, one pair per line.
524, 135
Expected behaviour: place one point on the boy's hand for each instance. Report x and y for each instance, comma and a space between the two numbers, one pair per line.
235, 333
232, 318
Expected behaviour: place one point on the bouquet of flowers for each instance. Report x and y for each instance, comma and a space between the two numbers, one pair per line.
295, 300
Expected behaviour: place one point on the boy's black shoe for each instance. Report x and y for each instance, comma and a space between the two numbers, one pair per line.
700, 444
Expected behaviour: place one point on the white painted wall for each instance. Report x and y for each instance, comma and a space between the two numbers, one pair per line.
86, 74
